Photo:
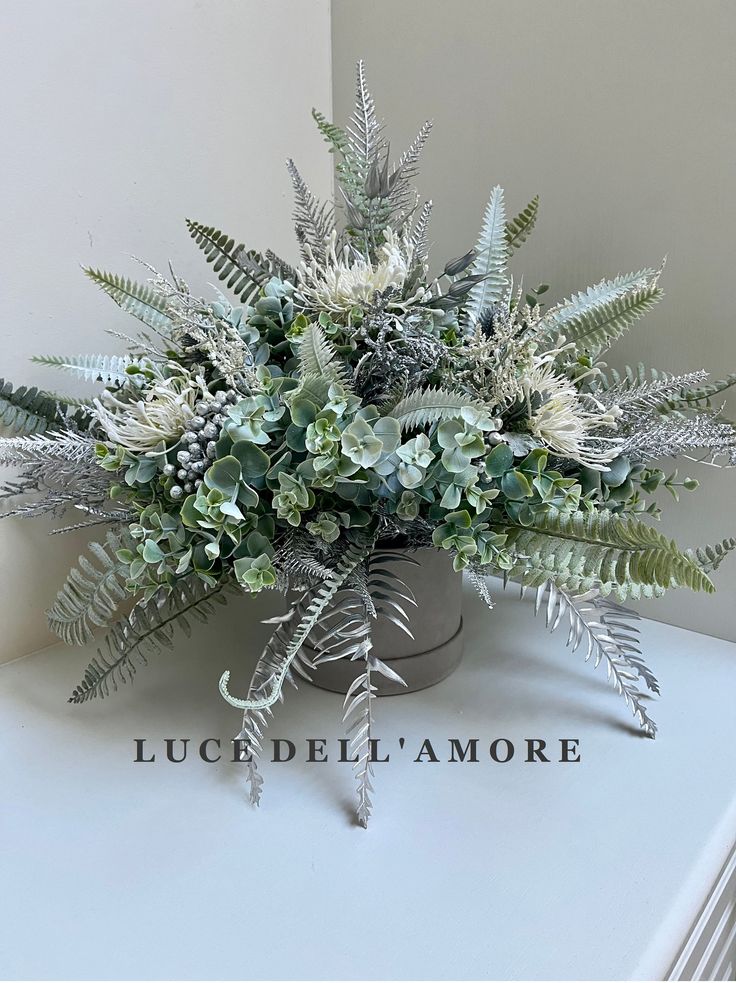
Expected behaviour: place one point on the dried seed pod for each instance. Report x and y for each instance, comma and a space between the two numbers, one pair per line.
455, 266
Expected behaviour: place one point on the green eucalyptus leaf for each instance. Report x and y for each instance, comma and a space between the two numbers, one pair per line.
224, 475
303, 411
254, 462
499, 461
152, 552
515, 486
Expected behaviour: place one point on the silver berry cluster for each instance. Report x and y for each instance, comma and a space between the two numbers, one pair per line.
199, 443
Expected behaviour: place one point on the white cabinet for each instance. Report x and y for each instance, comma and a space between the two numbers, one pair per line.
619, 866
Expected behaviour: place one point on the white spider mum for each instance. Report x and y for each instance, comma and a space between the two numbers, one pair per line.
349, 279
567, 424
161, 416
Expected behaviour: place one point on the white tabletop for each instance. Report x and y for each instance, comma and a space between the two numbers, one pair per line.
112, 869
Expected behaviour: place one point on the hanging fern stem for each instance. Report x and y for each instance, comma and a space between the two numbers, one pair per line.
358, 703
353, 557
609, 637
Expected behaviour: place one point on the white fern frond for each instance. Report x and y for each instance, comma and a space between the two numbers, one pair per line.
317, 355
111, 370
358, 718
492, 252
427, 406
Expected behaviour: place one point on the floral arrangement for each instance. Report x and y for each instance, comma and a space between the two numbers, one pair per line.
280, 436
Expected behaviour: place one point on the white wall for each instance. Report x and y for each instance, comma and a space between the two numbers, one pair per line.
119, 119
620, 115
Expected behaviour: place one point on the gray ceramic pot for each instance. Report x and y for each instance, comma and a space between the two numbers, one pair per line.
436, 622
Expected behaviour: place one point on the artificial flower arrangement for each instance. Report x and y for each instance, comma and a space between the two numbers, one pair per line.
280, 436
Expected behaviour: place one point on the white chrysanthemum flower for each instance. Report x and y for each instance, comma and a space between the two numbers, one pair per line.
565, 423
141, 426
349, 279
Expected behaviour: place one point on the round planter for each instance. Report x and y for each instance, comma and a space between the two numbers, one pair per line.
436, 623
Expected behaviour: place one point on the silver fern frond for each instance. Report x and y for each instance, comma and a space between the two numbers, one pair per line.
282, 654
61, 445
420, 232
669, 436
255, 719
479, 581
633, 397
405, 170
313, 220
363, 129
323, 595
610, 635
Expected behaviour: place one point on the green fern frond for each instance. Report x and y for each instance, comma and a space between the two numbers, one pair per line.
492, 252
146, 630
108, 369
25, 411
690, 398
520, 228
93, 591
617, 555
243, 269
427, 406
138, 299
69, 402
709, 558
335, 136
597, 317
